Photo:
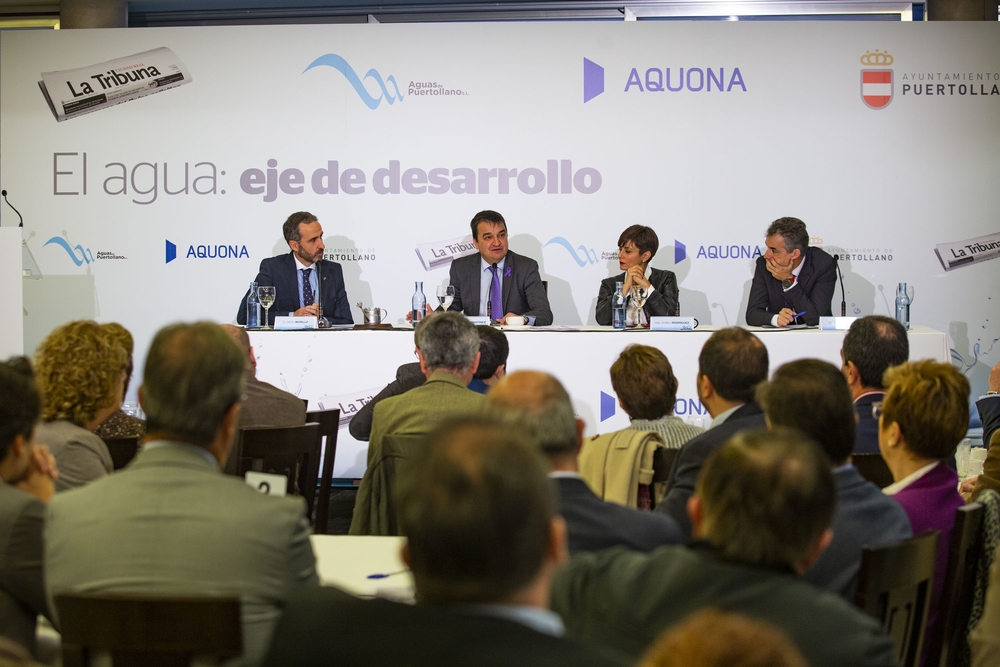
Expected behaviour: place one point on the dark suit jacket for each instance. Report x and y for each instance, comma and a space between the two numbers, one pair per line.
866, 441
280, 272
622, 600
688, 463
266, 406
408, 376
523, 292
663, 301
594, 524
989, 415
865, 517
812, 291
328, 627
22, 588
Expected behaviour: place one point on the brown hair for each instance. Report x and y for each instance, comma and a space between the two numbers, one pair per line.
642, 237
644, 381
930, 402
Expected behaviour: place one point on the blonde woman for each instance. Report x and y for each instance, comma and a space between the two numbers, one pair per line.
119, 424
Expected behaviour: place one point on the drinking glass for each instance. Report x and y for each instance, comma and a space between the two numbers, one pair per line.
445, 295
266, 294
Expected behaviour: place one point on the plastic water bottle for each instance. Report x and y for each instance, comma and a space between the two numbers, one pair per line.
418, 303
253, 308
903, 306
618, 307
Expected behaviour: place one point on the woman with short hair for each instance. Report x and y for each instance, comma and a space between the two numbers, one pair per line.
648, 292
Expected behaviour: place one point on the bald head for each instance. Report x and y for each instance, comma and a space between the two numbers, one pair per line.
538, 403
242, 338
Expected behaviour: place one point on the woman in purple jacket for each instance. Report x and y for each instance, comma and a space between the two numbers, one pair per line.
924, 415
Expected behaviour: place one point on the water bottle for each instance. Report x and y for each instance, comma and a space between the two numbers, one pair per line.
903, 306
618, 307
253, 308
418, 303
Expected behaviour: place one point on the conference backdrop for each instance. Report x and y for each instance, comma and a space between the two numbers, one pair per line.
154, 167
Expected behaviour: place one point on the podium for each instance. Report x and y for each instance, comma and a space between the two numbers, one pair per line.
12, 322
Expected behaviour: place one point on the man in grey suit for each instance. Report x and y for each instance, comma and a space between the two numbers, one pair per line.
170, 523
498, 282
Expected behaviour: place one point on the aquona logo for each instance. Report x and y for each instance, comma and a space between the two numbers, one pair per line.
728, 252
200, 251
689, 79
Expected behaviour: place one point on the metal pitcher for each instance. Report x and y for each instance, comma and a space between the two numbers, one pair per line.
373, 315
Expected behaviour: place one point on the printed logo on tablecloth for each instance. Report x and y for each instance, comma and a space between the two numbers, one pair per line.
876, 83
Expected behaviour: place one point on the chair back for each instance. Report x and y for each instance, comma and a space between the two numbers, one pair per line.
146, 631
123, 450
663, 460
292, 451
329, 427
873, 468
949, 644
894, 586
399, 453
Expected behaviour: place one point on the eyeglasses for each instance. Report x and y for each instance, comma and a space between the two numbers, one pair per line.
877, 410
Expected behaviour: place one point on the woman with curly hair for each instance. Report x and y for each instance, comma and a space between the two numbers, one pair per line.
80, 372
119, 424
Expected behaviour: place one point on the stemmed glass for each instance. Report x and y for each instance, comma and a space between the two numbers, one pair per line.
266, 294
445, 295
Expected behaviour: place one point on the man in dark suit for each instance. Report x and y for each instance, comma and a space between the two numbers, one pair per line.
989, 406
537, 403
296, 276
870, 347
762, 514
498, 282
26, 471
811, 395
483, 542
649, 290
732, 362
791, 278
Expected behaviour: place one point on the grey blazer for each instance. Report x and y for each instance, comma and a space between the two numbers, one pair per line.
81, 456
22, 589
172, 524
523, 292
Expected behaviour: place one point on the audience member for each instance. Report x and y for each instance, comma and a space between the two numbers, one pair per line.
537, 404
170, 523
713, 638
924, 416
871, 346
483, 541
988, 406
493, 351
119, 424
732, 362
812, 396
763, 505
27, 473
985, 638
644, 381
408, 376
79, 370
448, 349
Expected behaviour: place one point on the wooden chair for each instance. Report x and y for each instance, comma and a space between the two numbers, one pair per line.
873, 468
949, 645
329, 427
894, 586
292, 451
123, 450
140, 631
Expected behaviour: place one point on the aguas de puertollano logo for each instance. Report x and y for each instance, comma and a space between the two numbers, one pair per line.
342, 66
876, 82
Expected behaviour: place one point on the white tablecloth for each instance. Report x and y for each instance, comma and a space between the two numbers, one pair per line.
346, 561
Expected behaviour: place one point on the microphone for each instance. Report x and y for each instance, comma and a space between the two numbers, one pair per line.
4, 194
843, 300
321, 321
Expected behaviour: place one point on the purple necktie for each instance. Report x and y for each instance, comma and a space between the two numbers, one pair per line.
496, 299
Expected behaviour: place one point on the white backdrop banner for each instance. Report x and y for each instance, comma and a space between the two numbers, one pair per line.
883, 138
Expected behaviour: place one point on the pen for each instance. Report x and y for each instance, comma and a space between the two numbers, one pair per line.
383, 576
798, 315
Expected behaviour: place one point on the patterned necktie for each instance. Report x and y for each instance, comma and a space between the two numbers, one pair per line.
496, 299
308, 298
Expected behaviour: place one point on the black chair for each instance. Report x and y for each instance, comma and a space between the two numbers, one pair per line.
140, 631
873, 468
949, 645
123, 450
329, 427
894, 587
663, 460
292, 451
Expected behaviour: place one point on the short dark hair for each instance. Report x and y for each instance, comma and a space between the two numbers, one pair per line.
644, 381
476, 511
193, 376
291, 227
793, 231
536, 403
930, 402
812, 396
766, 496
493, 351
642, 237
20, 402
735, 361
874, 344
491, 217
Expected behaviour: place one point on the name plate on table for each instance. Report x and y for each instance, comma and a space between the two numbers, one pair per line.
479, 320
268, 484
664, 323
835, 323
289, 323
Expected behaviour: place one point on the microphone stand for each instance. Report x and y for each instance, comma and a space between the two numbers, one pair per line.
843, 299
321, 321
